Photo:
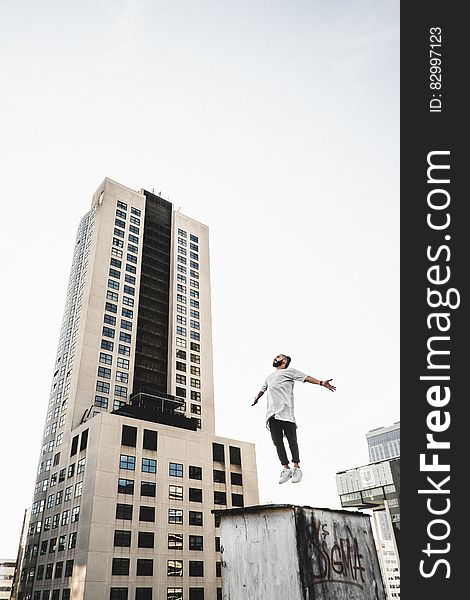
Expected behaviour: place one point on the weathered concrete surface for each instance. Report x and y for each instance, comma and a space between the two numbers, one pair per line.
284, 552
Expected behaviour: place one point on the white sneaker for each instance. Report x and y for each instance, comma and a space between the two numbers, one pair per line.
296, 475
286, 474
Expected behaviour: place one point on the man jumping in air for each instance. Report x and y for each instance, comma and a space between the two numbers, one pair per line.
280, 418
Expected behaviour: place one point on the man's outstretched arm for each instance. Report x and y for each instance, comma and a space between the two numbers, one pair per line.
260, 393
324, 383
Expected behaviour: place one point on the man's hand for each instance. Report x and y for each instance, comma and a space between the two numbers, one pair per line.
326, 384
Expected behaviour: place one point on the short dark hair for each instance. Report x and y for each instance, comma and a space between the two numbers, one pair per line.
288, 359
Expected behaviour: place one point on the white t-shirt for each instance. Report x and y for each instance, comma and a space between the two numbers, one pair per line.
279, 387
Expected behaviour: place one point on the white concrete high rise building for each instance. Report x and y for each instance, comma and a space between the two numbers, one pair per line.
130, 467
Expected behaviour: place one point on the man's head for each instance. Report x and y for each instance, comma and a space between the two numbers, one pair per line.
281, 361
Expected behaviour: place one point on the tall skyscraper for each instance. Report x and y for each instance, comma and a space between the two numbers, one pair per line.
130, 467
384, 442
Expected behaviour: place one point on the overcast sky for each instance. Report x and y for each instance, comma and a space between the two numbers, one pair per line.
274, 122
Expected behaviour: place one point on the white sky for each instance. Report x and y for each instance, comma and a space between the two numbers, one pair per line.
274, 122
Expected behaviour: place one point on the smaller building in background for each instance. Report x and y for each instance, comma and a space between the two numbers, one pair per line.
7, 571
384, 442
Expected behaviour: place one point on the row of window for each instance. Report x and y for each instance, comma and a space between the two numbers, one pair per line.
146, 539
61, 570
172, 593
52, 522
121, 567
149, 489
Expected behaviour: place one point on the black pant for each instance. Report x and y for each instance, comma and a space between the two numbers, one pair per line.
278, 430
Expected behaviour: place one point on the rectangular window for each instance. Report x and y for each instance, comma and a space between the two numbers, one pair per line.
118, 593
120, 390
194, 314
113, 285
182, 250
120, 566
129, 290
218, 452
65, 517
181, 309
108, 332
175, 492
118, 233
68, 494
195, 396
124, 511
173, 593
236, 479
102, 386
120, 223
180, 330
182, 259
124, 350
110, 307
116, 263
195, 472
149, 465
196, 542
194, 335
78, 489
181, 320
218, 476
181, 269
175, 470
235, 455
106, 345
148, 488
115, 273
131, 269
146, 539
135, 211
62, 543
68, 568
195, 409
80, 466
181, 299
125, 486
194, 303
123, 363
195, 518
127, 462
104, 372
131, 258
116, 252
147, 514
237, 500
122, 538
125, 337
196, 371
118, 243
181, 379
175, 541
195, 494
122, 377
180, 342
121, 213
194, 293
144, 567
130, 279
175, 568
196, 568
195, 383
126, 325
75, 514
150, 440
181, 392
220, 498
106, 359
175, 516
72, 540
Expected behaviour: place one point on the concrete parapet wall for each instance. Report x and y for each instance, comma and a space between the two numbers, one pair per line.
285, 552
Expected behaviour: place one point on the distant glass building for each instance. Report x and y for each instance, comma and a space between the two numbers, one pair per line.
384, 442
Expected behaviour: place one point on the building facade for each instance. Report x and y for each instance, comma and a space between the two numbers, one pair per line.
130, 466
384, 442
376, 487
7, 571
